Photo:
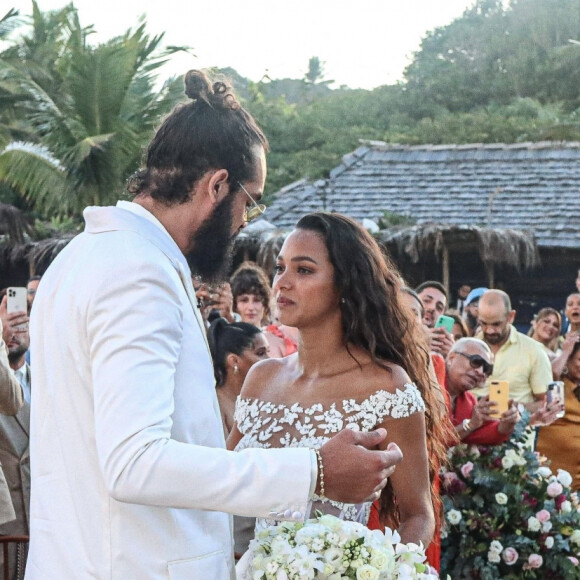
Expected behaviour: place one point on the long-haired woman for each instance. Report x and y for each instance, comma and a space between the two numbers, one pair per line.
361, 363
234, 349
546, 328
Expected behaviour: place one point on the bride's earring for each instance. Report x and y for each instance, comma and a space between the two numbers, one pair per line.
343, 300
236, 369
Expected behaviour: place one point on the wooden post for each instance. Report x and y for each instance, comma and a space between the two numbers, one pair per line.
445, 266
489, 271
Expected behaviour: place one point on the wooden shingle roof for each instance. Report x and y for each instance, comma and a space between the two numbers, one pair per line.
524, 186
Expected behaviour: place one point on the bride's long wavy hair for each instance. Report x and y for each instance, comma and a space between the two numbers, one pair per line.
376, 320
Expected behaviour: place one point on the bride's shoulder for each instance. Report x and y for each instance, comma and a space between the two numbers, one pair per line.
388, 377
265, 373
389, 390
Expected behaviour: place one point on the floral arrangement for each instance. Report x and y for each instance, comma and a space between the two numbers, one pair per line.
329, 548
507, 515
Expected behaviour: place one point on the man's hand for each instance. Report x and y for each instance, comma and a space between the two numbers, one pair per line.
11, 322
509, 419
224, 301
482, 413
441, 341
354, 469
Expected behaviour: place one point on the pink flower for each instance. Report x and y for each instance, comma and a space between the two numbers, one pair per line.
535, 561
543, 515
466, 469
510, 556
554, 489
573, 560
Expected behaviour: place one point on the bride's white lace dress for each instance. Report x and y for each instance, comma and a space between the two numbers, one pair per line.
267, 424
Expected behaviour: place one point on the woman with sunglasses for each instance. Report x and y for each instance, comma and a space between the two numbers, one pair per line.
468, 365
560, 441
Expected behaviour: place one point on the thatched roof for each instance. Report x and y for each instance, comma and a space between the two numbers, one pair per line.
516, 248
520, 186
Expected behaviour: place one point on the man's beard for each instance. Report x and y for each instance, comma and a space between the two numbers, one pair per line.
16, 353
211, 255
497, 338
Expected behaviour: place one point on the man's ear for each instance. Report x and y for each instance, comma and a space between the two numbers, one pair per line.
218, 186
511, 316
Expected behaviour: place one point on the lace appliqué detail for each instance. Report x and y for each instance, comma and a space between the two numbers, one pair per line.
265, 424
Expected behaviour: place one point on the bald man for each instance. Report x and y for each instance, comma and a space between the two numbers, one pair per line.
519, 359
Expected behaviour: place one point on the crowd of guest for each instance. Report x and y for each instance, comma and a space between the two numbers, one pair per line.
480, 345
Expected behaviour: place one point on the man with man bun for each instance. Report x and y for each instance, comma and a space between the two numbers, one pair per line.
130, 477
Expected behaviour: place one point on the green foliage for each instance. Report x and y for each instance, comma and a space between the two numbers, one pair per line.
507, 515
503, 72
86, 112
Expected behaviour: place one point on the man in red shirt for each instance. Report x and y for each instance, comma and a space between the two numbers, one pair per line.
468, 365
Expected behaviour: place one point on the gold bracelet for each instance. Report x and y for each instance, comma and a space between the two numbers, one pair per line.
320, 473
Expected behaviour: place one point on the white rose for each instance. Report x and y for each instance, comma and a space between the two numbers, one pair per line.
333, 556
454, 517
566, 506
544, 471
534, 524
495, 546
501, 498
564, 478
367, 572
575, 537
507, 462
546, 527
381, 560
493, 557
549, 542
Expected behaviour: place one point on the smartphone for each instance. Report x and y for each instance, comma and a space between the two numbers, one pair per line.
555, 394
499, 391
16, 301
446, 322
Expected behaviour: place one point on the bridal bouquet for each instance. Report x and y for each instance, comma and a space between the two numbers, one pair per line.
329, 548
508, 515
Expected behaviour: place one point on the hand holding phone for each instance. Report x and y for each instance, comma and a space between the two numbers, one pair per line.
13, 312
446, 322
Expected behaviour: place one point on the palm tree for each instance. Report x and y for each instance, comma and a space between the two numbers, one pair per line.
90, 110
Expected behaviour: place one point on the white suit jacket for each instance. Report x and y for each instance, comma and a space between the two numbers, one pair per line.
130, 477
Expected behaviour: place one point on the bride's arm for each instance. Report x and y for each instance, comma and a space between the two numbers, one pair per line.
233, 438
410, 480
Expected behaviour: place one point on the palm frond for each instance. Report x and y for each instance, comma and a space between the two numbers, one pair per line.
32, 171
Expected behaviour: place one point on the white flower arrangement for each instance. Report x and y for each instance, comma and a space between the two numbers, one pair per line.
327, 548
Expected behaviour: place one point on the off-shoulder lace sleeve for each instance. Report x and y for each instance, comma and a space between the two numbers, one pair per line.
404, 402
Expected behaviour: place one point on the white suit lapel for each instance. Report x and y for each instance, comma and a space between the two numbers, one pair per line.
187, 284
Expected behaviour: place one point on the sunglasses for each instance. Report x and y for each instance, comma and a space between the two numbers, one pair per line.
476, 361
255, 211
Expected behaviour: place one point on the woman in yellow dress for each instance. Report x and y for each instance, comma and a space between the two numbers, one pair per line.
560, 441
